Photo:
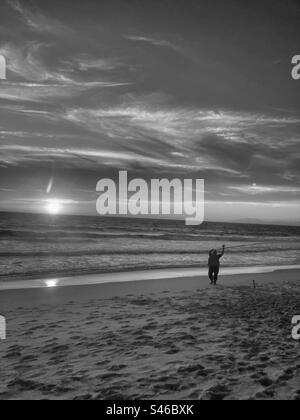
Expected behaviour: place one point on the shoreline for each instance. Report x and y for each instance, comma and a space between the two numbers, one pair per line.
28, 276
15, 298
55, 281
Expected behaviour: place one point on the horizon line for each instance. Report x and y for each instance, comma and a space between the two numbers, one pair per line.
238, 222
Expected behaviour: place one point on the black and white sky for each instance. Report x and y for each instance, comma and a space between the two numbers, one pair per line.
161, 88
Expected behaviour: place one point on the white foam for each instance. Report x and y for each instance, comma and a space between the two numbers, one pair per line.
93, 279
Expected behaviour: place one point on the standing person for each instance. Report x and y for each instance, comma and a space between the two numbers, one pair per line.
214, 264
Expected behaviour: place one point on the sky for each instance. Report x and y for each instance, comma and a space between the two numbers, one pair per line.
169, 88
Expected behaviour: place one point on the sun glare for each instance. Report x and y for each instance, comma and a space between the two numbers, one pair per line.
51, 283
53, 207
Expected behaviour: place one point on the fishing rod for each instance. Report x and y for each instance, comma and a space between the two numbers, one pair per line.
242, 246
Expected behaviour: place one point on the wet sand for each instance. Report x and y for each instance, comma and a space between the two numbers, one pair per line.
160, 339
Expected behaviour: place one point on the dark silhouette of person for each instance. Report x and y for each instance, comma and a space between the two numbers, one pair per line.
214, 264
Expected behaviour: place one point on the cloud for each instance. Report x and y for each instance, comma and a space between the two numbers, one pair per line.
24, 61
187, 123
62, 201
263, 189
43, 92
30, 112
156, 41
103, 64
41, 82
35, 20
16, 153
7, 190
184, 124
218, 145
117, 158
264, 203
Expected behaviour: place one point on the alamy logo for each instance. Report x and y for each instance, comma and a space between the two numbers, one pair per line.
159, 197
296, 329
2, 67
2, 328
296, 68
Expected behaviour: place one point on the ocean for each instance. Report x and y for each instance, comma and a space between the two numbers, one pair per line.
41, 246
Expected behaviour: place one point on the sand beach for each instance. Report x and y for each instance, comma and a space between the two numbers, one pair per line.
159, 339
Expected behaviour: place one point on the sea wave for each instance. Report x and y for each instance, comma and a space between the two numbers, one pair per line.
35, 246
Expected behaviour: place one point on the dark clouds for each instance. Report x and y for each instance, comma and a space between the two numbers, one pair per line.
173, 88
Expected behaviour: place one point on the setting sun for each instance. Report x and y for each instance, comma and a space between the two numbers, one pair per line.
53, 207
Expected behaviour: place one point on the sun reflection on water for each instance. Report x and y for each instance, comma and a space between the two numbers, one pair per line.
51, 283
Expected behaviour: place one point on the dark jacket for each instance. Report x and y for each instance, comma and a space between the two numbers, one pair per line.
214, 260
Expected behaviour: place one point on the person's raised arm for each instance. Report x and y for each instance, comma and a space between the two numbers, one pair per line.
223, 251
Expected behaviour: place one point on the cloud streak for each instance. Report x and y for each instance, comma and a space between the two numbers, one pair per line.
154, 41
39, 82
35, 20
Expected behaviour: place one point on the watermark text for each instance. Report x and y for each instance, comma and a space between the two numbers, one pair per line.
157, 197
296, 328
2, 328
296, 68
2, 67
